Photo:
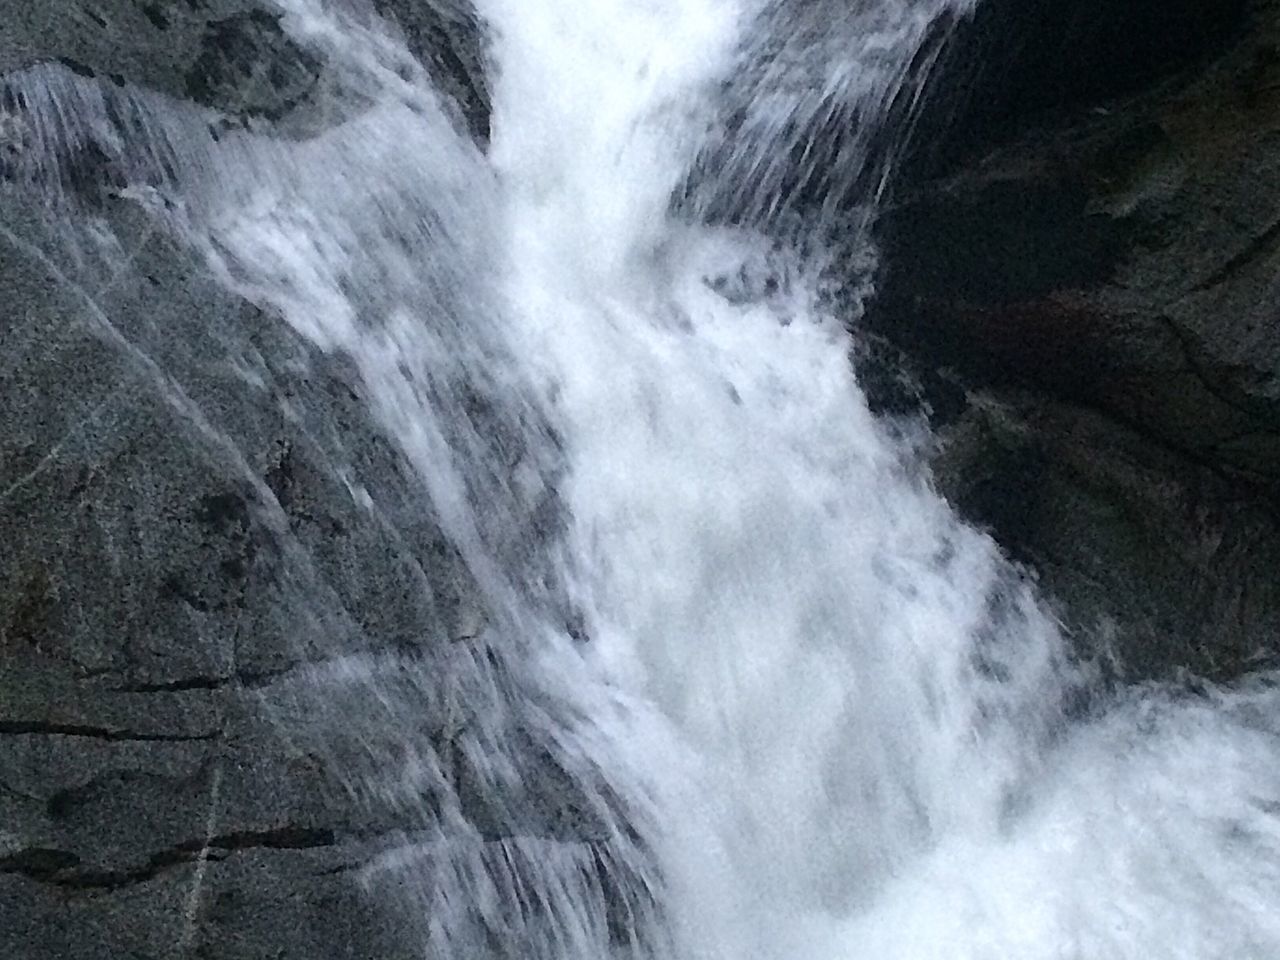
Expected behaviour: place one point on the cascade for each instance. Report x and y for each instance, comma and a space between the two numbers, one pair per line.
807, 711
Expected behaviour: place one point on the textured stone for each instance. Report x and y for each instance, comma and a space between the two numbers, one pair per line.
196, 508
248, 896
242, 668
1107, 282
233, 55
447, 37
1156, 564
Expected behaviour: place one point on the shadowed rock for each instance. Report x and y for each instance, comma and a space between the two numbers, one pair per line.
1108, 281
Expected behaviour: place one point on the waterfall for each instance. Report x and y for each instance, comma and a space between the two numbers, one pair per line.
798, 708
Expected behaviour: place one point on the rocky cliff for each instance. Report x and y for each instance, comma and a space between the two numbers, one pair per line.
1082, 274
189, 558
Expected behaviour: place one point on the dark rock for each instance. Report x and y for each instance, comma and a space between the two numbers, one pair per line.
143, 42
247, 678
254, 900
1016, 62
234, 55
229, 622
1156, 564
1108, 283
249, 68
160, 607
449, 40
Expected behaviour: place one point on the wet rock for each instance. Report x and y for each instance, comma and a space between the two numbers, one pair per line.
197, 512
145, 42
235, 56
248, 67
448, 38
233, 898
1156, 565
1011, 64
1109, 278
244, 669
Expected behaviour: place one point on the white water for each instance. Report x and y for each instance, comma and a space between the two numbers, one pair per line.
816, 716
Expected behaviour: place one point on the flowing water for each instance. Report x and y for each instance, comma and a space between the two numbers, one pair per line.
804, 711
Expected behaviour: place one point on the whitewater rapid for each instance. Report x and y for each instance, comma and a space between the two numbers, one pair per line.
817, 716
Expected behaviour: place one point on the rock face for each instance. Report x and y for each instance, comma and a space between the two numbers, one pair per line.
180, 544
1103, 287
233, 55
1013, 64
446, 37
200, 521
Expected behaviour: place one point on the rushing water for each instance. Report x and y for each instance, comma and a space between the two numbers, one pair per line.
807, 712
